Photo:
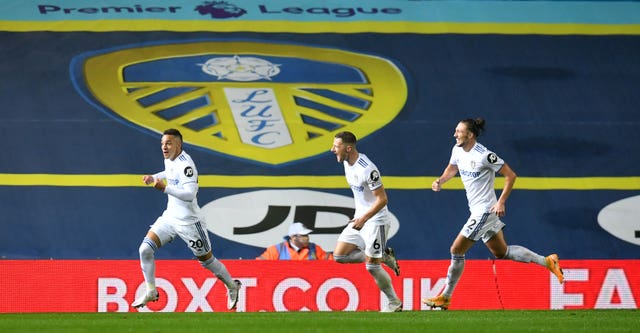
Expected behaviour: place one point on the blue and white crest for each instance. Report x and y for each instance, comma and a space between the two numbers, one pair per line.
264, 102
240, 68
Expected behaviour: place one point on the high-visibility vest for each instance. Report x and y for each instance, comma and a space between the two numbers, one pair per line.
283, 251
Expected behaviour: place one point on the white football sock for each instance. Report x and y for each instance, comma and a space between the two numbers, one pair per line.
383, 280
453, 274
522, 254
354, 256
220, 270
148, 262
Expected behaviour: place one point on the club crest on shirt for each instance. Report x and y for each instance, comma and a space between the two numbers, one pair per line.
269, 103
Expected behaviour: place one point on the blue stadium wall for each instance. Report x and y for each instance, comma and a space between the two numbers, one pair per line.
560, 109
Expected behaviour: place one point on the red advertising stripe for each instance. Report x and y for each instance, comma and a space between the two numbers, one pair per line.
111, 285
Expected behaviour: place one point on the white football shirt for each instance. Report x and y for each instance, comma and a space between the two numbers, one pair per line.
182, 189
363, 177
477, 169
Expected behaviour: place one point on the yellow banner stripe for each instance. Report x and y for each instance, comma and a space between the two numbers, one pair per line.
324, 27
320, 182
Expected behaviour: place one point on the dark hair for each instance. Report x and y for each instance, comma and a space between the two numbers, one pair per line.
475, 126
347, 137
174, 132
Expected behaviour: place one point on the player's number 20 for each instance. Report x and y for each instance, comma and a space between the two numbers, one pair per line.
195, 244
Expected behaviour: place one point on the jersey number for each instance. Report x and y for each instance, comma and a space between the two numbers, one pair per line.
472, 224
195, 244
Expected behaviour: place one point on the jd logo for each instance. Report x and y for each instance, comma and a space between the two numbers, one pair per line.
262, 218
265, 102
620, 218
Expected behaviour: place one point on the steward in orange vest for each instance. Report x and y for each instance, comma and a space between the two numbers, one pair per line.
296, 246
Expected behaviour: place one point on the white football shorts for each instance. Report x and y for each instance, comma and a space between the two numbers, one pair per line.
483, 226
195, 235
372, 238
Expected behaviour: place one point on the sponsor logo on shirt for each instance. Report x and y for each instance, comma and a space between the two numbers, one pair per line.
188, 171
471, 174
357, 188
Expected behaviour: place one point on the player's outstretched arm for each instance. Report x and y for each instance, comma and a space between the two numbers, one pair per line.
449, 172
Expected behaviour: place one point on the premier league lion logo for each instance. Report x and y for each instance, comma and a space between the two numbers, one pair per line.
220, 9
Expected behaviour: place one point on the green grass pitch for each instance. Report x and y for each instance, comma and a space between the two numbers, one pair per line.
352, 322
